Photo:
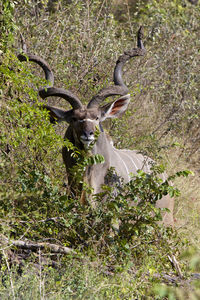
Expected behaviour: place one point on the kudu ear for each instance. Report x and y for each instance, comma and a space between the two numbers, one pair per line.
116, 108
58, 114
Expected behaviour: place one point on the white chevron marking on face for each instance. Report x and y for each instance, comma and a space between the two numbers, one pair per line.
88, 120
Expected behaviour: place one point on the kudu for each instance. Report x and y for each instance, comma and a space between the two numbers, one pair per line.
85, 120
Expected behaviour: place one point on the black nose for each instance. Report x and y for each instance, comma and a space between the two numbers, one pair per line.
88, 134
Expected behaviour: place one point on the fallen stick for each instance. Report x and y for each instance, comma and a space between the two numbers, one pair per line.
175, 264
36, 246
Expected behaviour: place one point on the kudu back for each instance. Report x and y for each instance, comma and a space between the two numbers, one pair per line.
85, 120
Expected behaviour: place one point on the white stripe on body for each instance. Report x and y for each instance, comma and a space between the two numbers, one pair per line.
139, 167
122, 162
142, 161
131, 161
146, 164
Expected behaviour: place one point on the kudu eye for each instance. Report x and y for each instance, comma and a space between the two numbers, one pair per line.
97, 118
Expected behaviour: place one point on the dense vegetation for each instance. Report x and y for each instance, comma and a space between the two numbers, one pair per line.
52, 247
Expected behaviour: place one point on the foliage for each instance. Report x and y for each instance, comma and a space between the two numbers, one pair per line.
121, 236
168, 78
8, 25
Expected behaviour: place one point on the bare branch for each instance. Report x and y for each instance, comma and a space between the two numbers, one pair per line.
175, 264
36, 246
119, 88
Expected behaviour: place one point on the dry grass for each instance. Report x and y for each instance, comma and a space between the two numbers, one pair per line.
187, 205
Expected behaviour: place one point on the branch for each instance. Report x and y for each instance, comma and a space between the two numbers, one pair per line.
175, 265
36, 246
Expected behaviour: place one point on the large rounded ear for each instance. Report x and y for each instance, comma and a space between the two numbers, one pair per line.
58, 115
115, 109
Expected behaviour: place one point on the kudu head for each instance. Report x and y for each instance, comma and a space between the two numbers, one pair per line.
84, 120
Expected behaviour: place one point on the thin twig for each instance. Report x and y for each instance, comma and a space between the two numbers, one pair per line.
10, 276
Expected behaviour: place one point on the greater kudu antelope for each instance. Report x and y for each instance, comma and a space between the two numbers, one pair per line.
84, 121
